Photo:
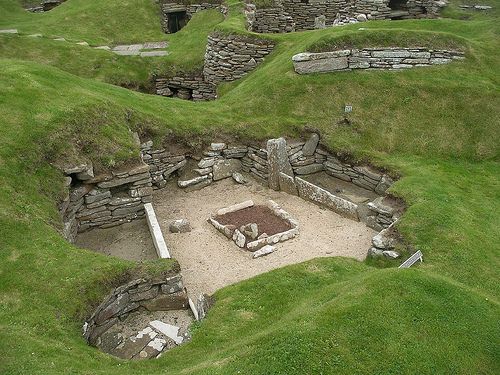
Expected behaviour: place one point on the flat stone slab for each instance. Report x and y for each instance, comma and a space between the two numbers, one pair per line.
155, 45
127, 53
8, 31
154, 53
128, 47
106, 48
168, 330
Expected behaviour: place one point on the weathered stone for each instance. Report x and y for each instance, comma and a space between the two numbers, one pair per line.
206, 162
168, 330
133, 345
374, 252
193, 181
199, 185
266, 250
180, 226
203, 171
309, 169
384, 240
97, 195
164, 302
384, 184
176, 167
238, 177
287, 184
250, 230
141, 192
78, 192
87, 173
278, 162
321, 196
239, 238
235, 207
152, 292
379, 205
217, 146
323, 65
122, 181
225, 168
391, 254
311, 145
113, 309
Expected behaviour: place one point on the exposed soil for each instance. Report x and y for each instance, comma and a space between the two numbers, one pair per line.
210, 261
131, 241
263, 216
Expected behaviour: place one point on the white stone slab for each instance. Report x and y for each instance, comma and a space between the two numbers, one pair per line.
8, 31
168, 330
268, 249
154, 228
235, 207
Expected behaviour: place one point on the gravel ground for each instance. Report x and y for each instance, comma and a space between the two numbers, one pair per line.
210, 261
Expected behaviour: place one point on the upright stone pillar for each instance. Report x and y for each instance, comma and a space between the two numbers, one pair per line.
278, 162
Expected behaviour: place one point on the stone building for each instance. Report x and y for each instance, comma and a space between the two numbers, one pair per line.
297, 15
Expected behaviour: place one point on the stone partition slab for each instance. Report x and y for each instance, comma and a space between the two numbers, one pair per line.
156, 234
394, 58
321, 196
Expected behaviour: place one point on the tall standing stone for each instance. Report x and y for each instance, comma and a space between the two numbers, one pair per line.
278, 161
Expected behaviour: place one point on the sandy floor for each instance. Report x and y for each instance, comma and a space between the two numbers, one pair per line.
131, 241
209, 261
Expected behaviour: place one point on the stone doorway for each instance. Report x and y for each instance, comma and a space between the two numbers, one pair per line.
399, 9
176, 21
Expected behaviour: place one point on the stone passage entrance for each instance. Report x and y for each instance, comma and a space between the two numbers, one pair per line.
176, 21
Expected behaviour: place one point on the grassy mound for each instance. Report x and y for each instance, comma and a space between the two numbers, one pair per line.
438, 127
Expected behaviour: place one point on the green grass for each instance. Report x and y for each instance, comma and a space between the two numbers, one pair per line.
437, 127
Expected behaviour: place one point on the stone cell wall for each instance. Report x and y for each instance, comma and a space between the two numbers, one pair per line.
268, 20
230, 57
227, 58
105, 200
314, 14
153, 295
393, 58
188, 88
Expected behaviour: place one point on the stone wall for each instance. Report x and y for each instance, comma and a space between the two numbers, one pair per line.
227, 58
393, 58
282, 166
163, 294
317, 14
188, 88
105, 200
230, 57
268, 20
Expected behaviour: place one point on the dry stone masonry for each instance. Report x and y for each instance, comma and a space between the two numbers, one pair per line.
105, 200
227, 58
188, 88
394, 58
230, 57
157, 294
297, 15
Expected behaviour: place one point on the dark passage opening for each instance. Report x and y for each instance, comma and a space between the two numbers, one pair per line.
398, 5
399, 9
176, 21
